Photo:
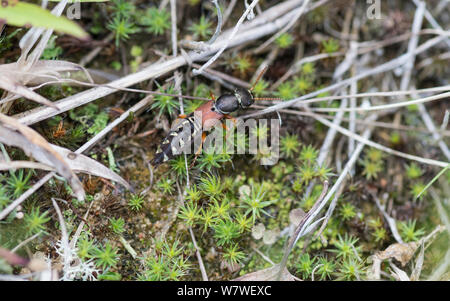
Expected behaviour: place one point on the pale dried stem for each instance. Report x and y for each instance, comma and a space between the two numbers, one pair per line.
23, 243
93, 54
363, 47
432, 20
390, 65
263, 256
257, 28
340, 182
388, 106
406, 78
432, 128
391, 221
199, 256
140, 105
228, 40
379, 146
373, 94
228, 11
288, 26
173, 21
302, 227
4, 213
386, 125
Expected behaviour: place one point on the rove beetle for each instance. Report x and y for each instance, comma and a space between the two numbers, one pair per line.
212, 112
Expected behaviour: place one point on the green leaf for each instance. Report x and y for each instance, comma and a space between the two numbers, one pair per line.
27, 14
433, 180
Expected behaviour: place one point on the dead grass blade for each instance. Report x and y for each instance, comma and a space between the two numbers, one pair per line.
76, 162
419, 264
24, 164
6, 83
15, 77
84, 164
398, 273
14, 133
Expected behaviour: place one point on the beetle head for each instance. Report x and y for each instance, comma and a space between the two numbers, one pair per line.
244, 97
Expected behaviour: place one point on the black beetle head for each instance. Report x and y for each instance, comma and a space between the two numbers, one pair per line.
226, 103
244, 97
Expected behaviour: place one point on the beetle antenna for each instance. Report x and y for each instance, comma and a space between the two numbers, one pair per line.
256, 81
259, 77
267, 98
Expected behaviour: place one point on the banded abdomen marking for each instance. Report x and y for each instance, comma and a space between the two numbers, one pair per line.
179, 138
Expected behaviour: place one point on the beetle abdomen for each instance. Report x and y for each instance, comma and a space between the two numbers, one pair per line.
178, 140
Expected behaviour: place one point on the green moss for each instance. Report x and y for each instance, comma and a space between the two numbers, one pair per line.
202, 29
157, 21
285, 40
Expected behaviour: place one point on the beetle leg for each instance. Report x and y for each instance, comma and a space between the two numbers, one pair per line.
197, 153
224, 126
231, 118
211, 94
234, 120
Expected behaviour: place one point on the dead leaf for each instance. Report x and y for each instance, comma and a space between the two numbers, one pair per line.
15, 76
6, 83
401, 252
13, 133
24, 164
64, 161
375, 271
269, 274
42, 71
84, 164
